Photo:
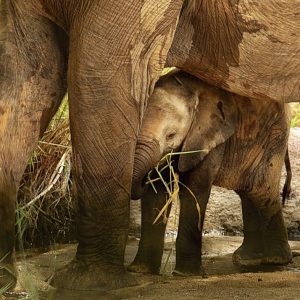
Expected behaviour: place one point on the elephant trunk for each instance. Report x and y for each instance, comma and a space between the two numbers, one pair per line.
147, 155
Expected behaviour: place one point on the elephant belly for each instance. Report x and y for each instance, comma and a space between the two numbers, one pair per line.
254, 155
251, 168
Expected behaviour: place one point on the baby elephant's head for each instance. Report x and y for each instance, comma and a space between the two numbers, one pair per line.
171, 121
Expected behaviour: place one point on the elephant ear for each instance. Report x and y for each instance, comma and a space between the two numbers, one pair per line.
214, 122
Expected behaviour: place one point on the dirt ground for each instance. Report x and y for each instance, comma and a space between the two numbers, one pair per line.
224, 281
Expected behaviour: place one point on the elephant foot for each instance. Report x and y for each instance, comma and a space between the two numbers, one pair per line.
201, 273
143, 266
189, 269
245, 258
8, 278
277, 248
275, 254
278, 254
78, 275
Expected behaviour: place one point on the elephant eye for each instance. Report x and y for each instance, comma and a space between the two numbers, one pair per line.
170, 136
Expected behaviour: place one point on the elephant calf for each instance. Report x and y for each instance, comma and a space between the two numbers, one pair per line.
245, 142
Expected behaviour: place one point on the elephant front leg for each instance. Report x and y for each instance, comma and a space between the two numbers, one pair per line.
8, 271
32, 85
150, 251
103, 135
265, 236
192, 213
117, 52
189, 239
199, 180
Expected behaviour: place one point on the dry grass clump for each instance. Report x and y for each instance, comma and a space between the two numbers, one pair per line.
45, 211
172, 185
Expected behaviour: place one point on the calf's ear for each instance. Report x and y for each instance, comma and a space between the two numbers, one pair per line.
214, 122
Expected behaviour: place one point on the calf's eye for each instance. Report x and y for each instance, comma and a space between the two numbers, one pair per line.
170, 136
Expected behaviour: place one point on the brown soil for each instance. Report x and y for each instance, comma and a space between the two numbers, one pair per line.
225, 281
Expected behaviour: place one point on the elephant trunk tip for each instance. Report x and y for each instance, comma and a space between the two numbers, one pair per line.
138, 189
147, 155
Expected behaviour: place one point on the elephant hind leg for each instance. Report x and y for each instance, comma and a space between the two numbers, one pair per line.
265, 236
251, 251
277, 249
32, 85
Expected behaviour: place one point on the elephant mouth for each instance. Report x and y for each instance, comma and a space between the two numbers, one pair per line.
141, 184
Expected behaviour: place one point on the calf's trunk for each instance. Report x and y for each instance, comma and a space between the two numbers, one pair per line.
147, 155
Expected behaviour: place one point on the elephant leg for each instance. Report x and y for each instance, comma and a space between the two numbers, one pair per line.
151, 245
32, 85
192, 213
251, 251
117, 52
277, 250
189, 239
265, 236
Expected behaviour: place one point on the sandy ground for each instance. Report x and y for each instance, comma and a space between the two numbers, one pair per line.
224, 281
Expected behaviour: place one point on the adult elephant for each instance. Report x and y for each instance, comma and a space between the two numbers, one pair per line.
109, 54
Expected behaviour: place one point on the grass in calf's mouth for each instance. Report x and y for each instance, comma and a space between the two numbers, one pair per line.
172, 187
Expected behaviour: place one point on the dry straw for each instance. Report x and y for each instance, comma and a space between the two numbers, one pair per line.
173, 186
45, 206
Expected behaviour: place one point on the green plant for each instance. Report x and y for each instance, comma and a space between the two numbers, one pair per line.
295, 111
295, 121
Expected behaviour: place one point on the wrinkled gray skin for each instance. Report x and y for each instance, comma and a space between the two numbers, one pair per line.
109, 54
245, 143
